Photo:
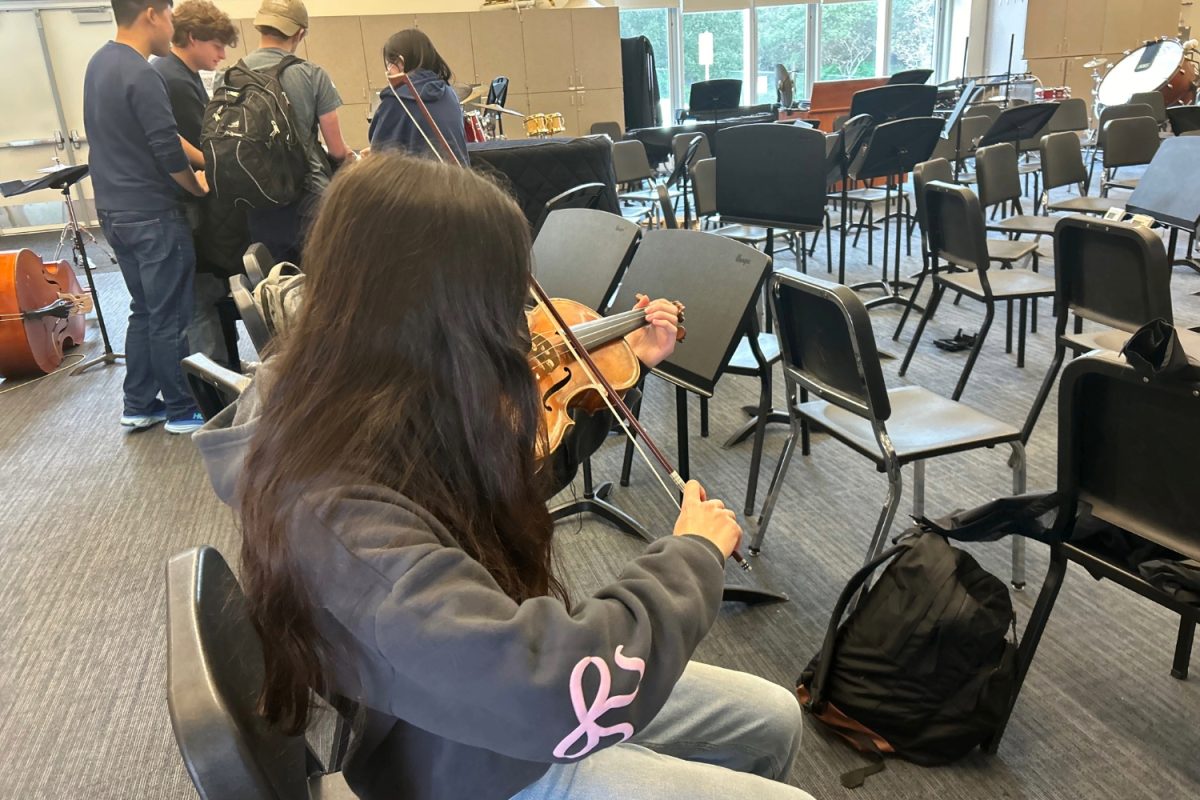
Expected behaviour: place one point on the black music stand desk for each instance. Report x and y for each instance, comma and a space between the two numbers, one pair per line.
1167, 192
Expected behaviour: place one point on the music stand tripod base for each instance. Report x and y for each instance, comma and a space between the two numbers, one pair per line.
595, 501
105, 359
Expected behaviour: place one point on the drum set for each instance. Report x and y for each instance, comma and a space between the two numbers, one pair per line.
1162, 65
482, 122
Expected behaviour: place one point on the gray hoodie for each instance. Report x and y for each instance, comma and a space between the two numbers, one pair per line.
467, 693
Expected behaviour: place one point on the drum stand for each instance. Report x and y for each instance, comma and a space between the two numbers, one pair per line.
109, 356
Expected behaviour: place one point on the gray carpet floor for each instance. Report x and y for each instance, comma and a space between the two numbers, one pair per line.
90, 513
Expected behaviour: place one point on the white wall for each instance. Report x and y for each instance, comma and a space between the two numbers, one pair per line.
1006, 19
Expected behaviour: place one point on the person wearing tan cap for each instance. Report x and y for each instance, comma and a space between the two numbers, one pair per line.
282, 25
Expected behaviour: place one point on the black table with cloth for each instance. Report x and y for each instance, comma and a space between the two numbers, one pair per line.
535, 170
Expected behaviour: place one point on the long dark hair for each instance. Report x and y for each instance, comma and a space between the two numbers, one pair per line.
408, 370
418, 52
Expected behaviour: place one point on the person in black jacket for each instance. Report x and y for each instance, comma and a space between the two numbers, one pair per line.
398, 123
202, 32
397, 549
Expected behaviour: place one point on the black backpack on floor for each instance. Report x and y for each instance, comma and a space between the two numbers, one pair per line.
925, 667
253, 152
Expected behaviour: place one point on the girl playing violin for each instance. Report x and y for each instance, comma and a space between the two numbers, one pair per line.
397, 545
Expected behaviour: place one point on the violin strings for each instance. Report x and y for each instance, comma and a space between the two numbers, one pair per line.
601, 330
620, 419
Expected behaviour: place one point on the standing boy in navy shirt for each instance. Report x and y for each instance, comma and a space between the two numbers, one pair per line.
139, 173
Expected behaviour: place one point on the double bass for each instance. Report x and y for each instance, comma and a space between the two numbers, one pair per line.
42, 309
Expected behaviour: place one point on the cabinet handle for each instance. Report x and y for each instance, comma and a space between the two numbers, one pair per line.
581, 99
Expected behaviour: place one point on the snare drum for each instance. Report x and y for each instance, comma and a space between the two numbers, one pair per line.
556, 124
1154, 67
536, 125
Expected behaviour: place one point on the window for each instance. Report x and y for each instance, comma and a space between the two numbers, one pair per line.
914, 31
652, 23
847, 40
728, 29
782, 39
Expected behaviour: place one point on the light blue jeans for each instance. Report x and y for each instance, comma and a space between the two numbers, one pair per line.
722, 735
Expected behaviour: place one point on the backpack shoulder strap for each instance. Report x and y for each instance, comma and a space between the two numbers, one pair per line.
285, 62
825, 660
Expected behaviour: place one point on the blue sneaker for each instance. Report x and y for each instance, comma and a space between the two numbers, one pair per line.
185, 423
156, 414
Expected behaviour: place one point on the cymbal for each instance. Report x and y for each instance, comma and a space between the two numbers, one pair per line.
1095, 62
496, 108
467, 94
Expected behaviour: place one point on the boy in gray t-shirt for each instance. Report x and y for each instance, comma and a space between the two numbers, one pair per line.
282, 24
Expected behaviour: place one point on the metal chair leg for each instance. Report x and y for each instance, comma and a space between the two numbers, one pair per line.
930, 308
886, 516
1008, 321
918, 489
1183, 649
703, 417
1039, 401
979, 338
1018, 464
1021, 334
760, 430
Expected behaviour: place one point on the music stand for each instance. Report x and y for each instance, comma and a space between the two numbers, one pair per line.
846, 147
965, 98
895, 101
718, 280
715, 96
62, 180
1018, 122
1164, 192
910, 76
895, 148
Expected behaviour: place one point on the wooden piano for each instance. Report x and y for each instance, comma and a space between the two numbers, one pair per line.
831, 99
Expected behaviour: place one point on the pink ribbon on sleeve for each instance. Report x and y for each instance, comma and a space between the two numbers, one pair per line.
589, 715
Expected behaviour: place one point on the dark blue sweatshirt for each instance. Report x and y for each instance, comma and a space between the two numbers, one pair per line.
133, 140
392, 128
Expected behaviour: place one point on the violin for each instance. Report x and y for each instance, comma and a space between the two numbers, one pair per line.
562, 384
42, 309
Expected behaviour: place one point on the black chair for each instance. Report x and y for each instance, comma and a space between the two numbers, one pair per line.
610, 129
1132, 472
585, 195
213, 386
1062, 165
915, 76
829, 351
718, 280
1131, 142
1157, 104
258, 262
214, 675
999, 180
1184, 119
1120, 111
248, 310
704, 191
1004, 252
956, 234
1111, 273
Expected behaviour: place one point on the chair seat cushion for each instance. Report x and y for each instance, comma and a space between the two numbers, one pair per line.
1086, 205
743, 363
1007, 251
1005, 283
747, 234
1113, 340
1123, 183
1025, 223
923, 424
648, 195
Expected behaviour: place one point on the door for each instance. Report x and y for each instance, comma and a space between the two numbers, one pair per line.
1084, 30
499, 50
600, 105
375, 31
549, 51
597, 36
565, 103
1045, 27
335, 44
451, 35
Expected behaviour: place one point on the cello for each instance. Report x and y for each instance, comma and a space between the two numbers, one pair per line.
42, 309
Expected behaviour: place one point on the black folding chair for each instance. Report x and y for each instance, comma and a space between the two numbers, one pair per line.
214, 676
213, 386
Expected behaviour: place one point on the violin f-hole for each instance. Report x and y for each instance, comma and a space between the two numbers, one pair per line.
555, 388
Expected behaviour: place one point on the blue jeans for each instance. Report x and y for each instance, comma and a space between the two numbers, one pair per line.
158, 261
282, 230
721, 735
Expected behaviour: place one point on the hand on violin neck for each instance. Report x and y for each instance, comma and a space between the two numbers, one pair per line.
655, 341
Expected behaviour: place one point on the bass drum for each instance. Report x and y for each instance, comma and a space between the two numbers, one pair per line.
1154, 67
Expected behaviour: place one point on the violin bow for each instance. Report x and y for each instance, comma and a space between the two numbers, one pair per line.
616, 405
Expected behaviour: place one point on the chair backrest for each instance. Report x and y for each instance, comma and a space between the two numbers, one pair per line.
1130, 141
1119, 111
956, 228
1184, 119
1126, 449
772, 175
248, 310
910, 76
498, 91
258, 262
827, 343
1072, 115
936, 169
610, 129
585, 195
213, 386
704, 186
716, 278
630, 163
1156, 102
989, 111
997, 174
214, 674
681, 143
581, 254
1062, 161
1113, 273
